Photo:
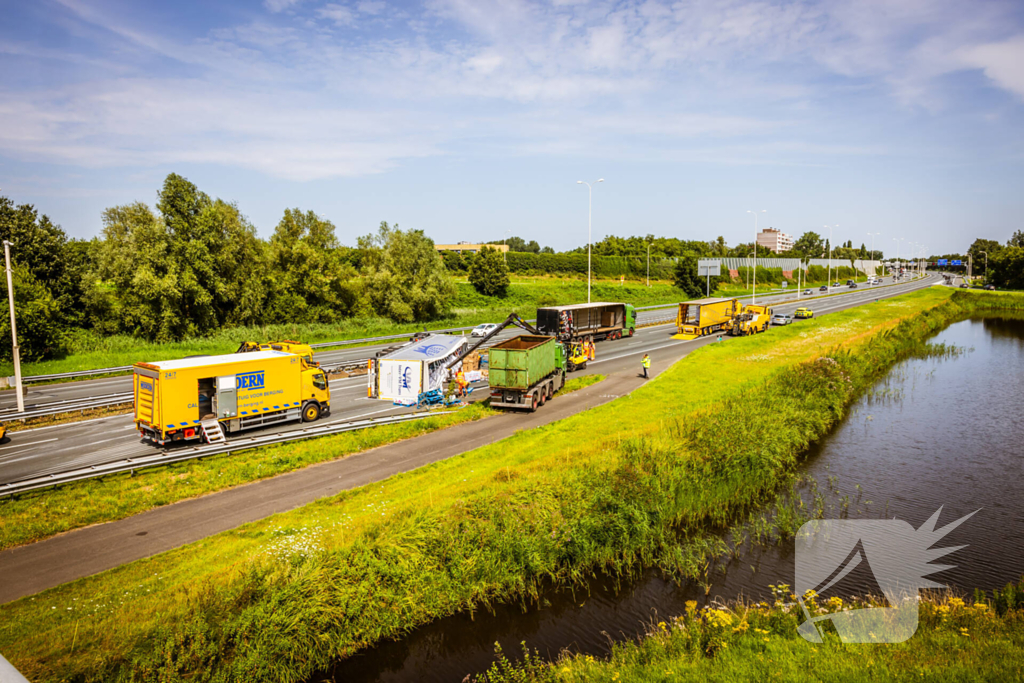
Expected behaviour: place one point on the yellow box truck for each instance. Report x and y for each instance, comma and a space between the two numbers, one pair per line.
205, 397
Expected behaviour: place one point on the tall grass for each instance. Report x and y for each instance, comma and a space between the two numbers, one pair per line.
956, 640
612, 489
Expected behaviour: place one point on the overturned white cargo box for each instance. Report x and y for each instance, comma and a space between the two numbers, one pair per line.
404, 374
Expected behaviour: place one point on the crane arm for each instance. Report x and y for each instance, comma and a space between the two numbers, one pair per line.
512, 319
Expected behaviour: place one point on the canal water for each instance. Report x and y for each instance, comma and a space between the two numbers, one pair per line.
940, 432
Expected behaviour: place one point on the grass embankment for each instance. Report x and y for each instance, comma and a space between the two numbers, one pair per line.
612, 488
90, 351
38, 515
956, 640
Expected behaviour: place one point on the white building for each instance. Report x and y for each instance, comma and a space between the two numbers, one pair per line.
776, 240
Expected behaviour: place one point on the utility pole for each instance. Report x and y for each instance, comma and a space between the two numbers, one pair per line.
14, 329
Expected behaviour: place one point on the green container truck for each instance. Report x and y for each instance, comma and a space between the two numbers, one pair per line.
525, 371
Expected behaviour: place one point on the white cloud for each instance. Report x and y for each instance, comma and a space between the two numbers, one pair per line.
339, 14
279, 5
1002, 62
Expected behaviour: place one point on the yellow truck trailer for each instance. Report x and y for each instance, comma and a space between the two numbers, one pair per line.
202, 398
705, 316
752, 320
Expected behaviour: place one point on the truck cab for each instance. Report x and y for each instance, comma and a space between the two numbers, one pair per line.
316, 394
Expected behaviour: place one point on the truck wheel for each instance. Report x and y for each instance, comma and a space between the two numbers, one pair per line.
311, 412
533, 402
543, 396
551, 389
631, 331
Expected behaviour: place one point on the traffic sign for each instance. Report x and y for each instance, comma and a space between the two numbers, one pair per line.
957, 263
943, 262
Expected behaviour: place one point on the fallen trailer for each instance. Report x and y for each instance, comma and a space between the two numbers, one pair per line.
705, 316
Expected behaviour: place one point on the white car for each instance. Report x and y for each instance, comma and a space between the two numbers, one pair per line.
782, 319
483, 330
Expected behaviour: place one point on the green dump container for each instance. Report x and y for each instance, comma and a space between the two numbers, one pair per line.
522, 361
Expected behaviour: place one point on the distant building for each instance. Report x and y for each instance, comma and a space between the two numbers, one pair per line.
468, 248
776, 240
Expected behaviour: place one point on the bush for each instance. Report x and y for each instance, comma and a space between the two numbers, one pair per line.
488, 274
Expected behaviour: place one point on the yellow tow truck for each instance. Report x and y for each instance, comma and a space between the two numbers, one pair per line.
752, 320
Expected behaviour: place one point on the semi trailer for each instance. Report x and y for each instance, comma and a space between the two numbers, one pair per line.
705, 316
201, 398
597, 321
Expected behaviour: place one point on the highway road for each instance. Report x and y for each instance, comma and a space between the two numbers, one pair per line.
47, 450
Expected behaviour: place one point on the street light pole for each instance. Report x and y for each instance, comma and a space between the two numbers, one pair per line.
14, 330
590, 216
830, 248
872, 234
753, 272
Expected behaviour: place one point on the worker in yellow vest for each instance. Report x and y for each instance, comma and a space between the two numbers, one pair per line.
647, 364
461, 380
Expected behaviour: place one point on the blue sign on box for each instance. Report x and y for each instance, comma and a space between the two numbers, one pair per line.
943, 261
958, 263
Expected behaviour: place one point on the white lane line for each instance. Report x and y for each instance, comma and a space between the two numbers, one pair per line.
77, 422
633, 353
23, 445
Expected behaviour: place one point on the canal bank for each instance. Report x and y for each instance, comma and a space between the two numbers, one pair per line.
941, 430
609, 489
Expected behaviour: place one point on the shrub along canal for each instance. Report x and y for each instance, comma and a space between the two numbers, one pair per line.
941, 431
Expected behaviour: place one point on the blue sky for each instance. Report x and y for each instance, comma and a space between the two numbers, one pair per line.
470, 118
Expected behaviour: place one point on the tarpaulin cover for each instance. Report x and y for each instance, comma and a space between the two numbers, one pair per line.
433, 348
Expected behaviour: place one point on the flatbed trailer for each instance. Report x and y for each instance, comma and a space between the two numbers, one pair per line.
598, 321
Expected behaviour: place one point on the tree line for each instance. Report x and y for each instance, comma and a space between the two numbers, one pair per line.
196, 264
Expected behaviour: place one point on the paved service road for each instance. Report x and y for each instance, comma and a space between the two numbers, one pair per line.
29, 569
47, 450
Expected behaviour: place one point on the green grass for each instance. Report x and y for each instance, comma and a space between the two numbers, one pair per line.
91, 351
610, 489
955, 641
38, 515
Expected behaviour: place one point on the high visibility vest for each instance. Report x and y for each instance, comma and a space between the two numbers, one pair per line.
647, 361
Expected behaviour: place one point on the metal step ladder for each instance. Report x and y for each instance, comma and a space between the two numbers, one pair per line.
212, 431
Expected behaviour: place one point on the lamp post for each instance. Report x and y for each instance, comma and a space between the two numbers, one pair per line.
753, 272
649, 263
830, 248
872, 235
590, 216
14, 330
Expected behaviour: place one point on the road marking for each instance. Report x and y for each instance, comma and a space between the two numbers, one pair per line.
22, 445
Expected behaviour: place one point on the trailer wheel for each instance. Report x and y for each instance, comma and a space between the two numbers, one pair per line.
311, 412
533, 402
543, 396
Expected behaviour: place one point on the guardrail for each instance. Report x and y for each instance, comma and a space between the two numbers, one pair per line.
68, 406
182, 454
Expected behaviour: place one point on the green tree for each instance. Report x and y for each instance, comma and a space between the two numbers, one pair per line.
686, 277
314, 280
405, 278
1017, 240
42, 328
980, 248
489, 274
809, 244
1007, 268
43, 248
135, 289
192, 246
